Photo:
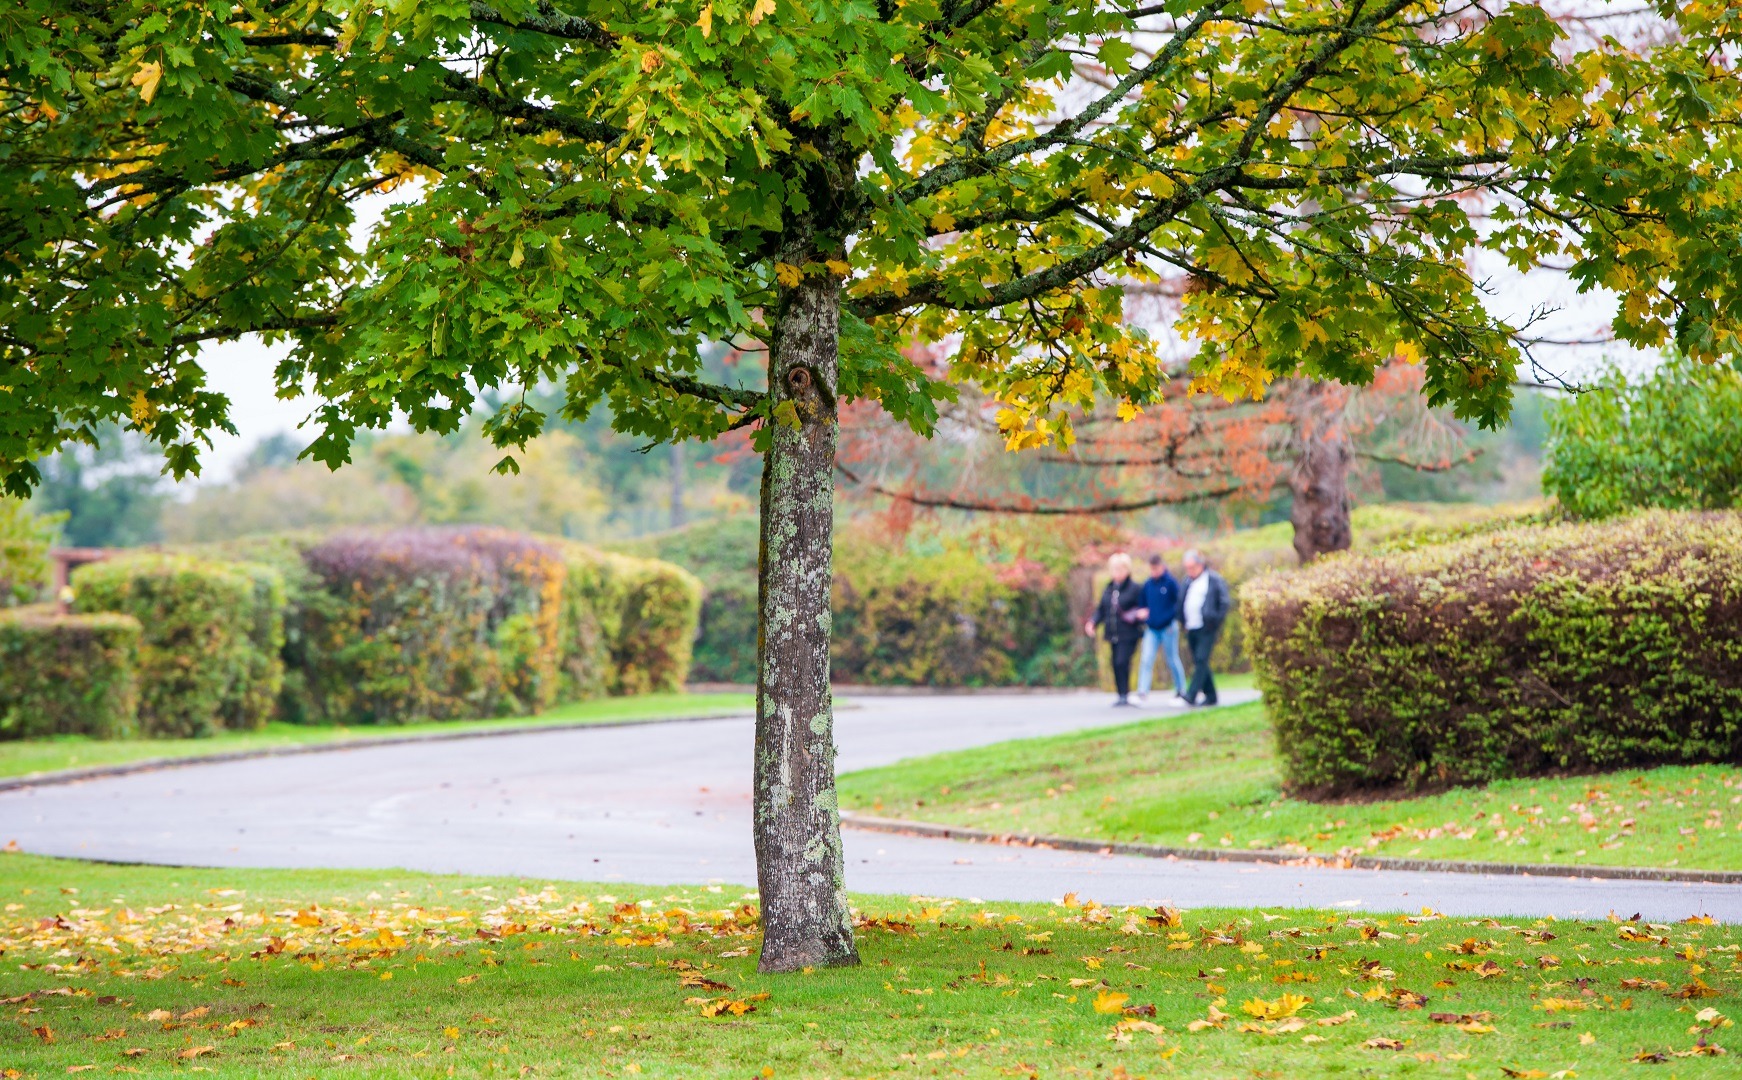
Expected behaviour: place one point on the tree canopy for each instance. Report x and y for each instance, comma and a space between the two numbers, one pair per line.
584, 191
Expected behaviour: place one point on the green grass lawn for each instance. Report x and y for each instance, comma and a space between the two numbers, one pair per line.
1209, 779
69, 752
369, 973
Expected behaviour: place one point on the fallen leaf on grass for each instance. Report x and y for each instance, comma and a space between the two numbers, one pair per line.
465, 979
45, 1033
1333, 1021
196, 1051
160, 1014
1523, 1074
1644, 984
1215, 1019
1461, 1018
80, 1068
1555, 1004
134, 1051
1696, 989
1286, 1005
1380, 1042
1108, 1001
722, 1006
1283, 1027
1123, 1030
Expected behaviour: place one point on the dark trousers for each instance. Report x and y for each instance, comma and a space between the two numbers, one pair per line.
1123, 651
1202, 642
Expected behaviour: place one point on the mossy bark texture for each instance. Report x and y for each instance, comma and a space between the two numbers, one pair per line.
806, 920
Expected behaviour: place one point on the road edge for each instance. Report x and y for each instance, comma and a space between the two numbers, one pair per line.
99, 772
871, 823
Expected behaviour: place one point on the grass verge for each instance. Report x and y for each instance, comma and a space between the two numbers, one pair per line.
250, 972
1209, 779
24, 757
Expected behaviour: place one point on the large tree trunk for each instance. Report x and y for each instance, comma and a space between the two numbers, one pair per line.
1320, 479
805, 917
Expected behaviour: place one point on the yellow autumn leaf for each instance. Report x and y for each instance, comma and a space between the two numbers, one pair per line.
762, 10
838, 267
788, 274
451, 1032
1110, 1001
1286, 1005
706, 22
943, 221
1128, 412
1409, 352
1228, 264
147, 78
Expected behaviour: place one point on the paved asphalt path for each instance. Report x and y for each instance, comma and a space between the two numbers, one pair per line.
669, 803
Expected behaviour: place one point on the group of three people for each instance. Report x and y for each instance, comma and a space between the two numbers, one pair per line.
1151, 612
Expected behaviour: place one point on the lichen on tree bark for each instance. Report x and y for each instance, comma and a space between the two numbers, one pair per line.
806, 920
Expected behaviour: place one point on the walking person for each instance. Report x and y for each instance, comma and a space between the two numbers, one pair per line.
1204, 609
1161, 598
1121, 613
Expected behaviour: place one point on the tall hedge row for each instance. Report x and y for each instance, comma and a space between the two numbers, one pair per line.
430, 624
354, 627
208, 654
67, 674
1516, 653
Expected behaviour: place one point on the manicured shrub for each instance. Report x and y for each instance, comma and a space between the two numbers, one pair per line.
208, 656
428, 624
629, 624
1514, 653
24, 543
67, 674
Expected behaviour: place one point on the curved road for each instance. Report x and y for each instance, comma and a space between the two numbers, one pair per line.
669, 803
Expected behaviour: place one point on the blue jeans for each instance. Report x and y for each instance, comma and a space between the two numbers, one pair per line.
1168, 640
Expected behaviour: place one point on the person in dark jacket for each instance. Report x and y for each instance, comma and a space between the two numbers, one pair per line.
1204, 608
1161, 598
1122, 615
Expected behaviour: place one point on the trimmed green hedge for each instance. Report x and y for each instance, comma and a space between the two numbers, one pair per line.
629, 624
1515, 653
67, 674
209, 654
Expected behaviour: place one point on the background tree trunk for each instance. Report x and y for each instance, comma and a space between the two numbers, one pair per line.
805, 917
1320, 478
679, 461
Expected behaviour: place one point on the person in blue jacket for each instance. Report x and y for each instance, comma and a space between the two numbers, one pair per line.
1161, 596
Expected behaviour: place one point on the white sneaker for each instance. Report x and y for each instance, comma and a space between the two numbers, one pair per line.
1179, 701
1142, 699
